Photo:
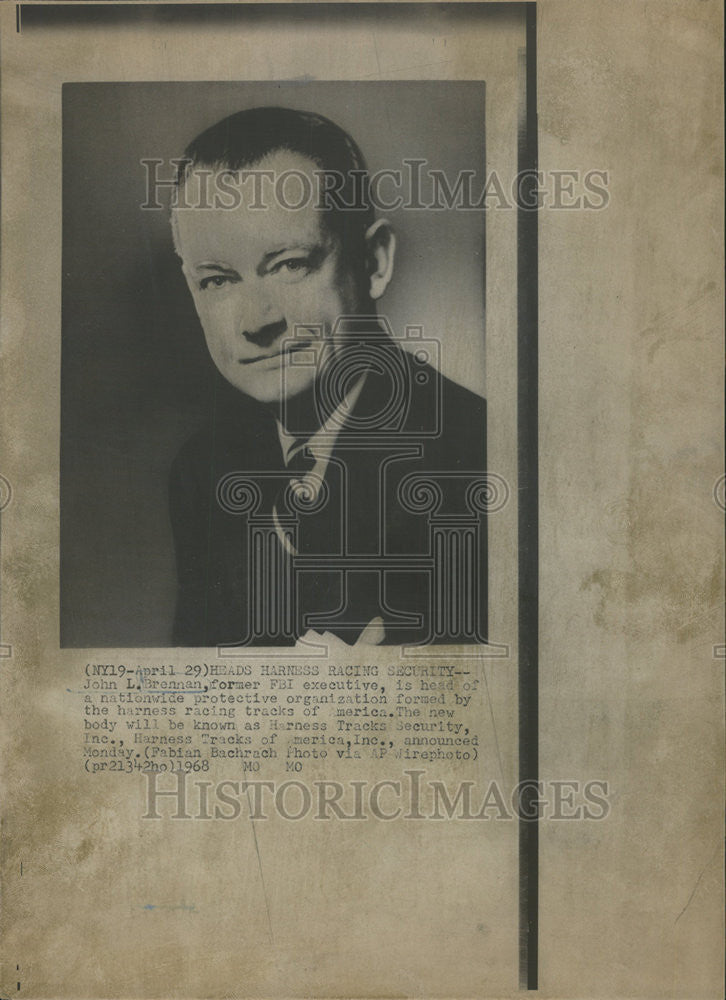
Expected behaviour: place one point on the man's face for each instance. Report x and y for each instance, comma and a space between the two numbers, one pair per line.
257, 275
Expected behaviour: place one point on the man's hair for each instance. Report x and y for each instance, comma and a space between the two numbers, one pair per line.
241, 140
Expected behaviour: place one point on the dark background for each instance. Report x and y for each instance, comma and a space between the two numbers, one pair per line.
135, 370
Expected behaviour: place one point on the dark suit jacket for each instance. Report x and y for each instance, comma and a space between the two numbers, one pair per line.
401, 534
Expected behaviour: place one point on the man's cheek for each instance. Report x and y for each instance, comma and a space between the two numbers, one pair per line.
216, 320
313, 305
295, 306
206, 313
216, 333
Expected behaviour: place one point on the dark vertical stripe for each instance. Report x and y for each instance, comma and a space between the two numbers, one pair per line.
528, 537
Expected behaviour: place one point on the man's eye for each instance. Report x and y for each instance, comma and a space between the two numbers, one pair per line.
213, 281
292, 268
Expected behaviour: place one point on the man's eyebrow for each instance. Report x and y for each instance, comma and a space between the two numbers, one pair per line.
211, 266
317, 250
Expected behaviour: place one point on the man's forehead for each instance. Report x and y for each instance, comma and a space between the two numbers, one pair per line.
274, 202
243, 231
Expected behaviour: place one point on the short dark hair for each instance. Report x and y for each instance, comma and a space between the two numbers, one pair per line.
246, 137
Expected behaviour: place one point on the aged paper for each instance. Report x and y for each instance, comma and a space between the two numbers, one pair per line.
491, 760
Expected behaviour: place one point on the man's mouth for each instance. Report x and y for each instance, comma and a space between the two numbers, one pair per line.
289, 349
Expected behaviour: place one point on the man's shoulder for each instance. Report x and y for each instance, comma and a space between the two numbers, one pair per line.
459, 399
453, 416
407, 397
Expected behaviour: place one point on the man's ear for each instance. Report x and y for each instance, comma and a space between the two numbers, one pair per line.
381, 245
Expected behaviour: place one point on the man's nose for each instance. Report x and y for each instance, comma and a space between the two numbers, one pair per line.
266, 334
261, 321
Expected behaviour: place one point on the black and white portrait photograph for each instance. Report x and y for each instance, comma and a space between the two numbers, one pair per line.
274, 424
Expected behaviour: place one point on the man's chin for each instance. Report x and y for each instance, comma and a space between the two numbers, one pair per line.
270, 387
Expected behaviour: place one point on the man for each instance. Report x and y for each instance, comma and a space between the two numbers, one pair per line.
338, 486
